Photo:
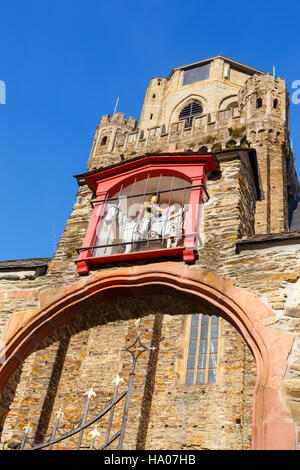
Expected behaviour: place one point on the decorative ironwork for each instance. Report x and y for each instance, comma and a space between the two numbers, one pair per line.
59, 432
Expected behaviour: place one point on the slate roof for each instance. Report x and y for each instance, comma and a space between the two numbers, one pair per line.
29, 263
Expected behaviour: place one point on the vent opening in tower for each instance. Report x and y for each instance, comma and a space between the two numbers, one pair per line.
189, 112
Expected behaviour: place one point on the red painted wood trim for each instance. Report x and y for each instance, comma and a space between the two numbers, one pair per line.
161, 253
153, 160
192, 168
188, 256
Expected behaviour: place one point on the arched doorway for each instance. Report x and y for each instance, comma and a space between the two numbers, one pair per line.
271, 428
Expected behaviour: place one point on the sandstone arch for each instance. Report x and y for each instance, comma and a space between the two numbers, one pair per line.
272, 429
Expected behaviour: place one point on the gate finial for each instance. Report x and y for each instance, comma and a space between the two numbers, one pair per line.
90, 393
94, 433
59, 413
27, 428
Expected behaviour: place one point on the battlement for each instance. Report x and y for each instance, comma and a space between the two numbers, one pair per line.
214, 131
207, 130
234, 97
211, 131
118, 119
266, 80
264, 94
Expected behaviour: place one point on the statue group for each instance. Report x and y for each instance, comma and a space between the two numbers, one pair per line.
151, 222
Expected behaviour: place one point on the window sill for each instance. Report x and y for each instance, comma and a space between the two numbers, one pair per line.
83, 264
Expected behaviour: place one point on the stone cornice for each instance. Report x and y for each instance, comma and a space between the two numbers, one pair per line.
268, 240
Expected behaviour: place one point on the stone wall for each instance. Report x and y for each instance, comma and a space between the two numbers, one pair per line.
164, 413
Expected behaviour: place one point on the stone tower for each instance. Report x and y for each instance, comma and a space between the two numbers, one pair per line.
264, 104
241, 107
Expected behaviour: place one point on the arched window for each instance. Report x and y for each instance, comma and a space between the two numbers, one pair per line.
258, 103
275, 103
189, 112
202, 357
104, 140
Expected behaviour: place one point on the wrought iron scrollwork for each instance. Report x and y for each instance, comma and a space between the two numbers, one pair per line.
60, 433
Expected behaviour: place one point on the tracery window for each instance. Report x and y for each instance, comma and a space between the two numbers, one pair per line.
202, 354
190, 111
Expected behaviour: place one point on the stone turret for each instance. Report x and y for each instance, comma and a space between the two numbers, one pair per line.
112, 130
264, 103
151, 114
263, 95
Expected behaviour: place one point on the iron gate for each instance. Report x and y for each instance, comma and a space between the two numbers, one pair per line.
59, 432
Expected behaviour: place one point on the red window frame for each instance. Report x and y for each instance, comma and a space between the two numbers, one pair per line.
106, 182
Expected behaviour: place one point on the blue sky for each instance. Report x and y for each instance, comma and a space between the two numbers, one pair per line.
64, 64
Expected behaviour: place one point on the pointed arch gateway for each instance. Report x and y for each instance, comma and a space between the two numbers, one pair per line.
272, 428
